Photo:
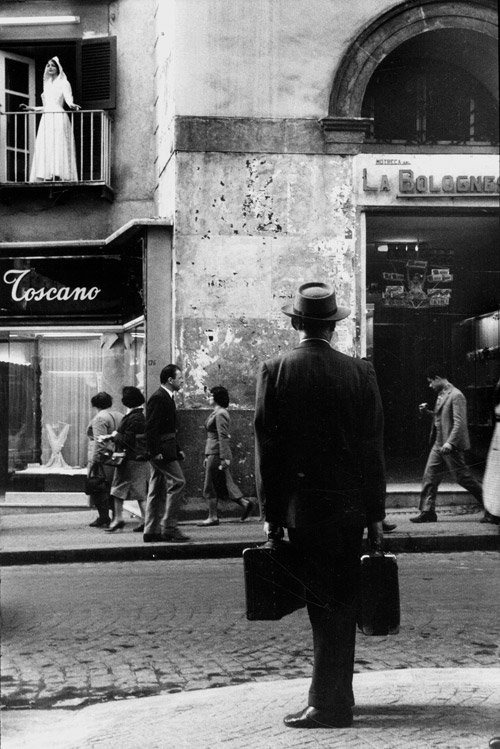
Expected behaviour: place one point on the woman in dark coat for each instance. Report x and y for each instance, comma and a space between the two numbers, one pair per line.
219, 484
130, 480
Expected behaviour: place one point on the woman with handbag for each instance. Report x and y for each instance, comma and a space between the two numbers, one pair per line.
219, 484
100, 475
130, 479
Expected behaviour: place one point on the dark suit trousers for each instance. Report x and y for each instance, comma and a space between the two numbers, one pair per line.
438, 465
331, 555
166, 485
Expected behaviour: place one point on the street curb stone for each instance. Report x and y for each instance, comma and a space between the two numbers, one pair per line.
216, 550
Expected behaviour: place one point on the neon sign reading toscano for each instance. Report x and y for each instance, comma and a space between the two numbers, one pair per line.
62, 294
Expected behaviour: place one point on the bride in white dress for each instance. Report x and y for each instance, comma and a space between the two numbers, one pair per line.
54, 157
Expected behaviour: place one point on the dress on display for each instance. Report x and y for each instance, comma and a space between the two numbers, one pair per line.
54, 156
57, 434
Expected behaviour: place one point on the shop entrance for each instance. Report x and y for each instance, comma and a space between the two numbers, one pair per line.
432, 295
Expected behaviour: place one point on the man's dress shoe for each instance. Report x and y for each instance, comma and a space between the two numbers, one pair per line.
388, 527
152, 537
100, 523
311, 717
489, 518
428, 516
174, 535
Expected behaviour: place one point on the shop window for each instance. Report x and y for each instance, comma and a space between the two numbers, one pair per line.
52, 377
69, 145
417, 101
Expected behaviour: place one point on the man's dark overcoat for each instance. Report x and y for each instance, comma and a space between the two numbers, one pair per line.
319, 438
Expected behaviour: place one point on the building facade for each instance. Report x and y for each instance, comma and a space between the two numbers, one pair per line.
252, 147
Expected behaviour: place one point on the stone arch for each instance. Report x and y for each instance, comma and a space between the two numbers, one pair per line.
389, 31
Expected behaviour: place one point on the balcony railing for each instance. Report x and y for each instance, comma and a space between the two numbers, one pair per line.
55, 147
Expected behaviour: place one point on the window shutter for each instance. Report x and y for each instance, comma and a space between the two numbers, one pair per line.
98, 73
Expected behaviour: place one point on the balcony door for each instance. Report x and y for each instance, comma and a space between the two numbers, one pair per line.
17, 131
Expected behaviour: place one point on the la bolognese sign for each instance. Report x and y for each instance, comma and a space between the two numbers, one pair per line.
61, 289
399, 178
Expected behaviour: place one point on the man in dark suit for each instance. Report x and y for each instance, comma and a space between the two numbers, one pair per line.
167, 480
320, 473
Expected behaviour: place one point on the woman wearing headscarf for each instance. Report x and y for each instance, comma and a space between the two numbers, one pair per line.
54, 155
130, 479
219, 484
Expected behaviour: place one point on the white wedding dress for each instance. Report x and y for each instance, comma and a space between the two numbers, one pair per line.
54, 156
57, 434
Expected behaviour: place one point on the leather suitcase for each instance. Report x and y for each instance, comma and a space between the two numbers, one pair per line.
379, 611
273, 587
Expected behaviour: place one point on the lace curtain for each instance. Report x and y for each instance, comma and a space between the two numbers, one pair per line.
71, 374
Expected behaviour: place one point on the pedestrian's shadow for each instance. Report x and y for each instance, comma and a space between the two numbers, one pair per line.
424, 716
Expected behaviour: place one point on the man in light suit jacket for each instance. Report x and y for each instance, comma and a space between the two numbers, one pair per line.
449, 438
320, 473
167, 479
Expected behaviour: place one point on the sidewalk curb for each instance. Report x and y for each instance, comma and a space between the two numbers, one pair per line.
231, 549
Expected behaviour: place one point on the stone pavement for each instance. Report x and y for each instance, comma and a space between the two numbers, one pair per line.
85, 633
43, 530
417, 709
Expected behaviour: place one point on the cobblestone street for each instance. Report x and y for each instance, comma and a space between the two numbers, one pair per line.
74, 634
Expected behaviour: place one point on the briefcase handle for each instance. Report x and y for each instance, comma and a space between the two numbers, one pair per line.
274, 538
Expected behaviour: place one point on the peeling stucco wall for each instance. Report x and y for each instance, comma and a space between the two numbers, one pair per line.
250, 230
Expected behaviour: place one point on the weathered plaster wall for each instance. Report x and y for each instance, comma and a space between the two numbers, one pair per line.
250, 230
266, 58
164, 110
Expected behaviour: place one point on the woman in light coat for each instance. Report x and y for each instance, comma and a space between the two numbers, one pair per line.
102, 424
219, 484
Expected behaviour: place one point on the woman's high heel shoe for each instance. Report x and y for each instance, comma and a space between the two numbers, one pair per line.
246, 511
115, 527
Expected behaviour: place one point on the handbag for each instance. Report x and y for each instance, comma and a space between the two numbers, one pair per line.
110, 456
273, 587
96, 482
114, 458
379, 610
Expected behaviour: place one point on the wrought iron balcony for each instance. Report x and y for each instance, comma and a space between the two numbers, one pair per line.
55, 148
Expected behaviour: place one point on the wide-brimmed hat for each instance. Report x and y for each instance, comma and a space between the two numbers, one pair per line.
316, 301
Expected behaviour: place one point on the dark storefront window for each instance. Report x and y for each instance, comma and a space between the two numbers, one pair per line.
433, 296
